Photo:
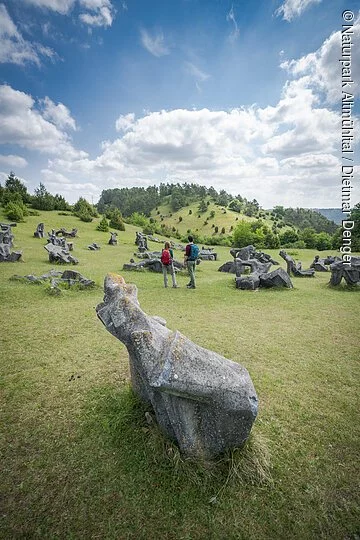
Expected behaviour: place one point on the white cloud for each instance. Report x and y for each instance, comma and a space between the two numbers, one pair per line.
284, 154
294, 8
14, 48
125, 122
60, 6
230, 17
22, 124
57, 114
154, 44
323, 68
101, 12
13, 162
197, 73
98, 12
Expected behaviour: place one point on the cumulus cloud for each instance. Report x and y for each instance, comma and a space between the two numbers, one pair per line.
155, 44
291, 9
322, 66
13, 162
125, 122
57, 114
14, 48
278, 154
25, 125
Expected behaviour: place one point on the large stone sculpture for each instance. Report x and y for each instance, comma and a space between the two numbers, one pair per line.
113, 239
201, 400
295, 268
7, 242
6, 235
207, 254
6, 255
59, 254
350, 272
40, 231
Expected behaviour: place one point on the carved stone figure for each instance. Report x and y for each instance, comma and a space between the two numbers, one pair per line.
318, 264
350, 272
40, 231
293, 268
6, 255
113, 239
59, 254
203, 401
94, 246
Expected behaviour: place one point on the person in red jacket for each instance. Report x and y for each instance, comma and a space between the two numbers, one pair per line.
167, 257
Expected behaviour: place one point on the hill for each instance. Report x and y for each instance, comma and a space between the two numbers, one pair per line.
333, 214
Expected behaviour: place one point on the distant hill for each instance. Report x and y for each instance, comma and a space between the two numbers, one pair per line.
333, 214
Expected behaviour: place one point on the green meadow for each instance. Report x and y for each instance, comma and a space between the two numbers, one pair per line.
80, 461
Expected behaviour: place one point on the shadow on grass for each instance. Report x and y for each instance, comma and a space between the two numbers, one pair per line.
143, 454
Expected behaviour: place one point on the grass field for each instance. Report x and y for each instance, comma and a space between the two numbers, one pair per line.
79, 459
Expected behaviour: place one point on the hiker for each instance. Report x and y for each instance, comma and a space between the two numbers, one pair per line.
167, 257
191, 254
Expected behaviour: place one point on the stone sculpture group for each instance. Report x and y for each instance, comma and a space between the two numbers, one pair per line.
201, 400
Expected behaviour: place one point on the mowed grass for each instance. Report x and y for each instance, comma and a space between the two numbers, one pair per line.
78, 457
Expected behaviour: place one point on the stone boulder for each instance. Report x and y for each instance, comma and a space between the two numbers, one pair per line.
203, 401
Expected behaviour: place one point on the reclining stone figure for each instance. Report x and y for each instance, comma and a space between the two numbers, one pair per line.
293, 268
318, 264
203, 401
67, 234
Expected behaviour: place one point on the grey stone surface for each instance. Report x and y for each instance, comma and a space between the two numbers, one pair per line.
276, 278
228, 267
59, 254
244, 253
249, 283
295, 269
203, 401
350, 273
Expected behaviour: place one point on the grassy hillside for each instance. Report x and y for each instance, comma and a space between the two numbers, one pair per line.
223, 218
78, 457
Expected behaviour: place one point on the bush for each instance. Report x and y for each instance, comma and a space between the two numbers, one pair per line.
84, 216
14, 212
223, 230
103, 225
116, 220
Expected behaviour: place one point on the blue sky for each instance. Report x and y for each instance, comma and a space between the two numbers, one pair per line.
241, 95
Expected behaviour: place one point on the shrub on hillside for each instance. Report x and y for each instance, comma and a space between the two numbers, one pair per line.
14, 212
84, 216
103, 225
116, 220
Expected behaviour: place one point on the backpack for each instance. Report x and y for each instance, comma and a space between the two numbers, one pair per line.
194, 252
166, 257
